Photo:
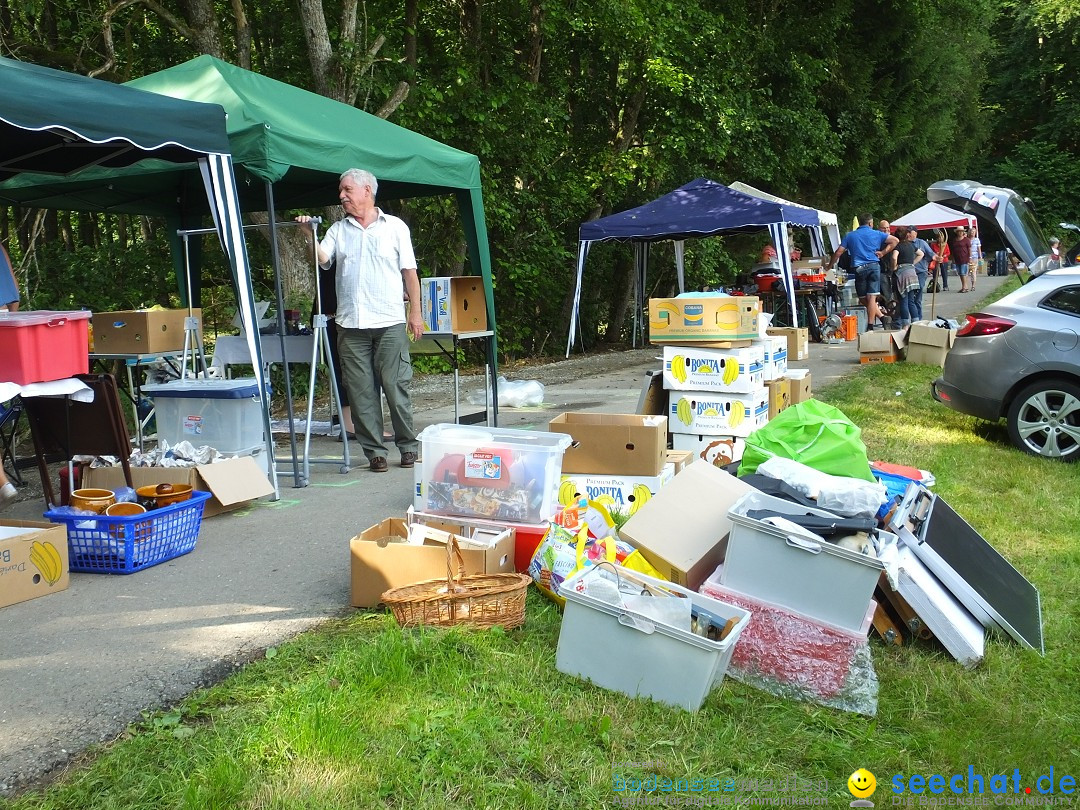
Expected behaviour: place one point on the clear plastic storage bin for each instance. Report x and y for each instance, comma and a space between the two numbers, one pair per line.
493, 473
224, 414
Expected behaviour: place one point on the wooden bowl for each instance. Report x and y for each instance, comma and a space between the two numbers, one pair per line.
92, 500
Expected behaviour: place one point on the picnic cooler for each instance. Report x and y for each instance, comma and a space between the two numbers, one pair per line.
42, 345
101, 544
224, 414
494, 473
817, 579
616, 649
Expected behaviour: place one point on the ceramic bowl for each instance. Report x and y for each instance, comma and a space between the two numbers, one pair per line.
125, 509
163, 494
92, 500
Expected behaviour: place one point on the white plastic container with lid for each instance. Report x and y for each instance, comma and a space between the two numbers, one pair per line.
817, 579
494, 473
224, 414
43, 345
617, 649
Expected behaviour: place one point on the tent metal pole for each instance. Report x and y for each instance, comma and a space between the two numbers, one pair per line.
275, 262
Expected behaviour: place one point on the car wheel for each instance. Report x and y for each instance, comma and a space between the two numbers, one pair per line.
1044, 420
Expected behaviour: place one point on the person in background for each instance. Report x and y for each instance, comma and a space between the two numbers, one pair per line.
907, 278
8, 493
1055, 253
922, 271
942, 262
960, 248
376, 267
976, 263
889, 298
9, 288
866, 246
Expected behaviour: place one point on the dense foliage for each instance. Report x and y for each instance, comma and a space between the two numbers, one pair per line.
577, 110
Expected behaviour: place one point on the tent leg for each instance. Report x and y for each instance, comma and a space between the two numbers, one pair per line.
275, 261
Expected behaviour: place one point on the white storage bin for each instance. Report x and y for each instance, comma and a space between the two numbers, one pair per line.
224, 414
493, 473
817, 579
603, 643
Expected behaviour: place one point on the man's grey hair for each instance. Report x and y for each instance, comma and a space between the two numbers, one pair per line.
362, 177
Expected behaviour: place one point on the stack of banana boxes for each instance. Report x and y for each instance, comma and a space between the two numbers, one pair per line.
723, 378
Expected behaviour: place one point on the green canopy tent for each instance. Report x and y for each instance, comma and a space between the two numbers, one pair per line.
290, 146
54, 124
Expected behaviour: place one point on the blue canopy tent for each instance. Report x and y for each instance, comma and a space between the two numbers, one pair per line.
700, 208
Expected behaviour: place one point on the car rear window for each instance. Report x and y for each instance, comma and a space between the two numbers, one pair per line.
1066, 300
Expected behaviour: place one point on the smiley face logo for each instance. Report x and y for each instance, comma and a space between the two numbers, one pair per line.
862, 784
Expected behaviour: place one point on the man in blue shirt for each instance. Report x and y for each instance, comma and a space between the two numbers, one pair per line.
922, 268
866, 246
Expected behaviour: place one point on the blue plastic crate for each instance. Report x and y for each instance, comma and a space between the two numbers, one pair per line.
124, 545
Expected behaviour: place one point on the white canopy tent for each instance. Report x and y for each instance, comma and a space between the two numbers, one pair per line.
826, 219
932, 215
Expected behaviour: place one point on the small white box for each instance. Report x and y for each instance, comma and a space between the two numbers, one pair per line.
606, 644
718, 450
776, 357
620, 493
816, 579
224, 414
701, 412
689, 369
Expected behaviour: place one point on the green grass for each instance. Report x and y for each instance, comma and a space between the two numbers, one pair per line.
360, 714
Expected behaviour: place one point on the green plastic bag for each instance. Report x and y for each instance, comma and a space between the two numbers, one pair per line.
814, 434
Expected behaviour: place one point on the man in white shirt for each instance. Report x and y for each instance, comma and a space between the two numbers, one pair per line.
376, 268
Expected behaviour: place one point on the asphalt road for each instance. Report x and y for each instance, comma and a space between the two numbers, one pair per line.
77, 667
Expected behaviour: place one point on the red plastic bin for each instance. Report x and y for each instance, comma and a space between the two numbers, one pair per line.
42, 345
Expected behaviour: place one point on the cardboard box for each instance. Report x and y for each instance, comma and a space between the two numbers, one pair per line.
775, 350
232, 482
526, 536
881, 347
801, 386
619, 493
141, 331
683, 530
612, 443
779, 395
20, 576
679, 458
717, 450
380, 559
798, 340
739, 371
453, 304
703, 318
929, 344
702, 412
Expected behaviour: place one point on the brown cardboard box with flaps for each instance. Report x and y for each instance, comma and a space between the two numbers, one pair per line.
140, 331
381, 559
613, 443
881, 347
233, 482
682, 530
928, 343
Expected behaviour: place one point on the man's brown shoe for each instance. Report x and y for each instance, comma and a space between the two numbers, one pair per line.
378, 464
408, 459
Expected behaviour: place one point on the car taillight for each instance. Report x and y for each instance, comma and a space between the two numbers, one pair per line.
980, 324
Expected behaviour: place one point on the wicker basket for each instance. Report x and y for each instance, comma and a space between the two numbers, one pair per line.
481, 600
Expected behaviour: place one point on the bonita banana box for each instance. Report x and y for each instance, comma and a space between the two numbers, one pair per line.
620, 493
739, 371
690, 318
716, 450
701, 412
776, 357
33, 560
